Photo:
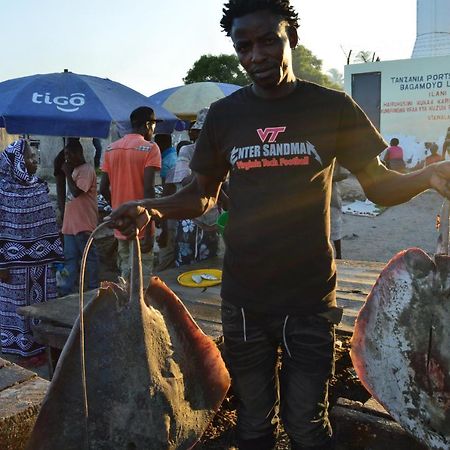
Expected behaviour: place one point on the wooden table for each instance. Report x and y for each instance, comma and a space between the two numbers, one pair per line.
355, 280
21, 394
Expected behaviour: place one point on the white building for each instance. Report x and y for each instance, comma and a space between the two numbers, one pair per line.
433, 29
410, 99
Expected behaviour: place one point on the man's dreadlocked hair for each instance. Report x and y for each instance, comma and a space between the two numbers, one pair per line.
239, 8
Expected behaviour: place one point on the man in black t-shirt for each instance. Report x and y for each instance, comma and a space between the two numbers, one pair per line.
277, 140
60, 178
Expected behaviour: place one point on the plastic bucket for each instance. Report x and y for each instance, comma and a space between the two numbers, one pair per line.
222, 221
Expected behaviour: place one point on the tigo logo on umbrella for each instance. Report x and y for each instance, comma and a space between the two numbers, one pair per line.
63, 103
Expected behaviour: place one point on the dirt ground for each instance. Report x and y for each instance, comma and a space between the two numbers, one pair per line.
412, 224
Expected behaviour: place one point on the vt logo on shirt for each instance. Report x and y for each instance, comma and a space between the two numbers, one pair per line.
272, 153
273, 132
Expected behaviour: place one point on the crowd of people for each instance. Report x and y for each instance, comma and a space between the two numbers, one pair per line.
394, 155
38, 241
267, 153
188, 240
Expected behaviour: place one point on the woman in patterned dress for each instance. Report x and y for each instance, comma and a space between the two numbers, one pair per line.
29, 244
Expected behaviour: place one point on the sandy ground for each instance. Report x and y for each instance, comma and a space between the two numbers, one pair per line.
412, 224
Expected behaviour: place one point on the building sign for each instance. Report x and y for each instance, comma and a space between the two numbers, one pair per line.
415, 102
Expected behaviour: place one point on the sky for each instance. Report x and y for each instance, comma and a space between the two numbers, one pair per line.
150, 45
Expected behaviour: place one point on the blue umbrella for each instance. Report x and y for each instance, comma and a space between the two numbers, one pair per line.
68, 104
187, 100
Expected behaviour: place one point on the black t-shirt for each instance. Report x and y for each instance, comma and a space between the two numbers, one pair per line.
280, 156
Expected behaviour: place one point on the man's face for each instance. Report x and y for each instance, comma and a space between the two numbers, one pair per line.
194, 133
263, 45
73, 158
150, 125
31, 160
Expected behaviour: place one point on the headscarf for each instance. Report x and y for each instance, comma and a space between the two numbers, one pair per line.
29, 234
12, 163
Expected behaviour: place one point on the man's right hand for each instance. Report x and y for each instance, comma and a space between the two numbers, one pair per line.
129, 218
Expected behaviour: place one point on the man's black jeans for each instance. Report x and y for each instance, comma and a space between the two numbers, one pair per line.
298, 391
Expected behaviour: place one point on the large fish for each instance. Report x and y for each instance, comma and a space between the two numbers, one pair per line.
401, 344
154, 380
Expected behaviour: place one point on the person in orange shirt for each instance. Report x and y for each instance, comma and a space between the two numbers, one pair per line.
80, 217
129, 168
434, 157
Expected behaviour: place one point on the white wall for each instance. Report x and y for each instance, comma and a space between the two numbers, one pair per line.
415, 101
